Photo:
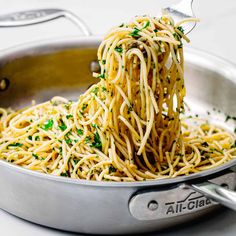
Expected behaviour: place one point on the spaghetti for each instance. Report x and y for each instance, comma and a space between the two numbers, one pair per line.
127, 127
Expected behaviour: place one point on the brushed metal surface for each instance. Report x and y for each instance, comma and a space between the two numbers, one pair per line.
40, 70
175, 201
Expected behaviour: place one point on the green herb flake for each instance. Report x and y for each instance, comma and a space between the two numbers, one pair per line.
30, 137
101, 76
103, 62
135, 33
35, 156
85, 105
94, 125
68, 141
69, 116
64, 174
95, 90
205, 144
76, 161
15, 145
104, 89
228, 117
146, 24
48, 125
112, 169
37, 138
68, 105
180, 28
97, 142
62, 127
118, 49
87, 139
130, 108
80, 132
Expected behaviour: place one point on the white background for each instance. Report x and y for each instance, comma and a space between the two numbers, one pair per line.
215, 33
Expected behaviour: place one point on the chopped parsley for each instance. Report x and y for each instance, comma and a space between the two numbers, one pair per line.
69, 116
112, 169
30, 137
85, 105
103, 62
87, 139
68, 141
62, 127
37, 138
94, 125
146, 24
104, 89
35, 156
101, 76
180, 28
15, 145
47, 125
205, 144
228, 117
95, 90
68, 105
60, 150
80, 132
64, 174
135, 33
118, 49
97, 142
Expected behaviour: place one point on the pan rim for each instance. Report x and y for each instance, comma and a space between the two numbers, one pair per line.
57, 44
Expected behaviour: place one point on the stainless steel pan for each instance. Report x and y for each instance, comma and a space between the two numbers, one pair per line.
63, 67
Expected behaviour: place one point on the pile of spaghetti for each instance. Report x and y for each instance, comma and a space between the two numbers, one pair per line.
127, 127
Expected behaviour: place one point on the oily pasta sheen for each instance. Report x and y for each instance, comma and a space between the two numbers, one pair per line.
127, 127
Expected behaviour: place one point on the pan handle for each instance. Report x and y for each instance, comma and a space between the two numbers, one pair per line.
31, 17
164, 202
217, 193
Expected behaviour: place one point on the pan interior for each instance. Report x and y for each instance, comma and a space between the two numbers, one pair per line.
67, 72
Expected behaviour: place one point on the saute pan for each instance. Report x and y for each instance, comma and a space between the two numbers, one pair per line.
62, 66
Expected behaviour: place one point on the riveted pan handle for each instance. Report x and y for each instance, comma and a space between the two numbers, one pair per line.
31, 17
182, 199
217, 193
